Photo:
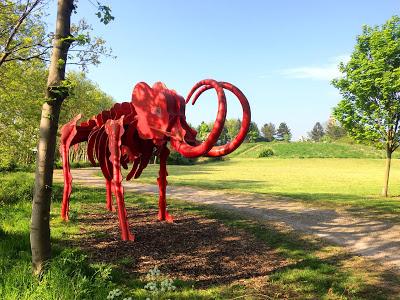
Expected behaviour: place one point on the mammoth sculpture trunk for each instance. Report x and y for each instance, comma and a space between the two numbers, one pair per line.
131, 133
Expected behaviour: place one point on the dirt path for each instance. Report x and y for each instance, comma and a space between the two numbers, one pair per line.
371, 238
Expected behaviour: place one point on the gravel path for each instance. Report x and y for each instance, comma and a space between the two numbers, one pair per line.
375, 239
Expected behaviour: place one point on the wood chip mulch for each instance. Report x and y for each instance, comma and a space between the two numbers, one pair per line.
193, 248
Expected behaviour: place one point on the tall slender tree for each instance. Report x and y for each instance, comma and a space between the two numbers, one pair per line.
56, 92
370, 87
55, 95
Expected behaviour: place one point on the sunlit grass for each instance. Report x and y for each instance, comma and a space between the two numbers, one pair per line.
316, 271
351, 183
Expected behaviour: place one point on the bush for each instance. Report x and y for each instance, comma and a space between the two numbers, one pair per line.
7, 162
175, 158
16, 187
267, 152
73, 165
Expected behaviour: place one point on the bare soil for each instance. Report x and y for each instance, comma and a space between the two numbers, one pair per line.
192, 248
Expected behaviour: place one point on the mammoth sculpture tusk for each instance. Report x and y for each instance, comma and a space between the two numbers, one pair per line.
236, 142
203, 148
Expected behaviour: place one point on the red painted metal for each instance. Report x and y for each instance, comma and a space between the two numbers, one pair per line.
131, 132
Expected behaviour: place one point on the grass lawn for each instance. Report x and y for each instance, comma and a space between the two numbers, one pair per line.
308, 268
349, 183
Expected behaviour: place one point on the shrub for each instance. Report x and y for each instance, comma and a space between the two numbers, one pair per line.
16, 187
73, 165
175, 158
7, 162
267, 152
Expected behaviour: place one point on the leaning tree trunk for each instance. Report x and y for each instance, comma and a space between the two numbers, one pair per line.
387, 171
55, 94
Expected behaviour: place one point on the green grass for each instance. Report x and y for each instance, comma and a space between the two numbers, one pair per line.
315, 271
70, 274
309, 150
349, 183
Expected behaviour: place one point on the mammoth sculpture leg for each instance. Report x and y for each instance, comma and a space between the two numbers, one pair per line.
114, 130
109, 199
68, 132
163, 215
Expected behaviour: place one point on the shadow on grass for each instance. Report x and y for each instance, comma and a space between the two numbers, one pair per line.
311, 273
386, 208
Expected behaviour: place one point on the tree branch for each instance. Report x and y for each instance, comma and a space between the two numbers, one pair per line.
25, 14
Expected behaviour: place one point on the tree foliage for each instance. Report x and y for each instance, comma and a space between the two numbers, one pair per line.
232, 127
21, 97
253, 134
283, 133
268, 130
20, 100
202, 131
22, 31
24, 36
333, 130
317, 133
370, 87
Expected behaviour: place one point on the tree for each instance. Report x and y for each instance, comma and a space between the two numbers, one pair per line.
370, 87
283, 133
20, 98
254, 133
203, 130
56, 92
317, 132
22, 35
223, 137
82, 88
232, 127
268, 131
333, 129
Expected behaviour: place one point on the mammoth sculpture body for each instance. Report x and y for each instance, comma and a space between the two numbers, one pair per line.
131, 132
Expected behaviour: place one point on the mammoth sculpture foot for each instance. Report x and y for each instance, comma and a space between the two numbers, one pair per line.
167, 217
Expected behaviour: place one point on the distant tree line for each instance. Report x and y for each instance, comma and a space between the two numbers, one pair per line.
331, 132
268, 132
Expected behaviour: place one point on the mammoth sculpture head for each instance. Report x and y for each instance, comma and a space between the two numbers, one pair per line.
161, 115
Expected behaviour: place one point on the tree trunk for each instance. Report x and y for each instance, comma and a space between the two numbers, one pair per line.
387, 171
55, 94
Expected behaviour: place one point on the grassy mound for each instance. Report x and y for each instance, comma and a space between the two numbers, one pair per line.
309, 150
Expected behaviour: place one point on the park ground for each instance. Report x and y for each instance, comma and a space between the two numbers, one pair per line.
209, 252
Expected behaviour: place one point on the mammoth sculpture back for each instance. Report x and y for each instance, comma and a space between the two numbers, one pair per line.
129, 134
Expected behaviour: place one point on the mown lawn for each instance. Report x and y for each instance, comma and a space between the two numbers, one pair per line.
349, 183
312, 269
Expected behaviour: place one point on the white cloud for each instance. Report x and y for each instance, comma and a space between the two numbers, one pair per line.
328, 71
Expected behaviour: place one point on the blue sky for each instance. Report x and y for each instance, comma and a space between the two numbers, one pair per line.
281, 54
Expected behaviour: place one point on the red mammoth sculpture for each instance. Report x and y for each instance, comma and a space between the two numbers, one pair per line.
131, 132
